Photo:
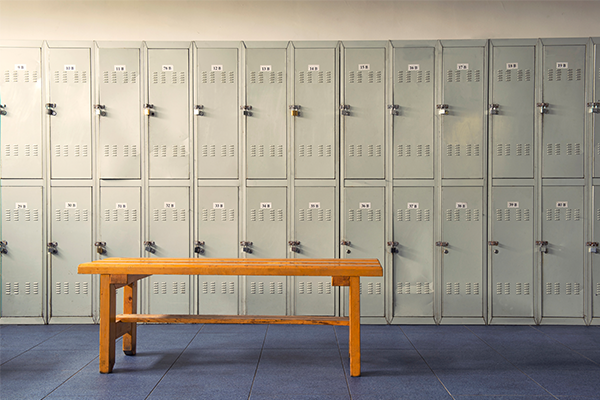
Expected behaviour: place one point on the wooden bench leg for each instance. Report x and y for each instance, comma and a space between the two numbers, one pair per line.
354, 316
130, 307
107, 324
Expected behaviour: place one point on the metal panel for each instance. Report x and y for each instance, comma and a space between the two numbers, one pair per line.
462, 266
119, 131
596, 256
414, 92
217, 121
120, 221
168, 128
266, 228
266, 128
512, 259
563, 124
463, 129
23, 264
314, 228
413, 263
20, 92
512, 130
562, 265
70, 293
595, 116
218, 219
315, 126
364, 127
70, 86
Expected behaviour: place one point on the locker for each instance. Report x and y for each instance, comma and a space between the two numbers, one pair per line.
512, 128
462, 271
119, 128
364, 125
596, 256
562, 264
266, 228
169, 229
217, 119
563, 125
23, 266
463, 128
413, 261
21, 98
596, 113
364, 225
218, 218
512, 251
266, 127
314, 228
315, 125
168, 122
413, 120
71, 230
70, 89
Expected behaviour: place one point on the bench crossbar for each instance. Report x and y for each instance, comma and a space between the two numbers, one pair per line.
232, 319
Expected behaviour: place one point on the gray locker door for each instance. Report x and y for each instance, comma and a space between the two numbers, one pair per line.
563, 126
595, 117
266, 228
314, 228
513, 90
596, 257
168, 128
462, 266
463, 129
562, 265
315, 127
364, 128
266, 129
70, 292
217, 93
414, 94
169, 229
513, 258
71, 128
119, 131
20, 92
218, 230
413, 263
364, 228
23, 265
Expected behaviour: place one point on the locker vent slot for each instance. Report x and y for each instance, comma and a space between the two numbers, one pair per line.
359, 77
318, 77
598, 283
419, 76
419, 288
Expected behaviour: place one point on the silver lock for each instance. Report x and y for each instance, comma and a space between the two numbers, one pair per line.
393, 247
594, 108
100, 247
543, 246
442, 109
345, 109
149, 110
394, 109
494, 109
198, 110
444, 245
3, 111
294, 246
150, 246
246, 247
100, 110
52, 247
543, 107
592, 247
246, 110
3, 245
199, 247
50, 109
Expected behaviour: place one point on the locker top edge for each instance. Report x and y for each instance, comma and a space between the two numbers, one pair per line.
21, 43
364, 43
564, 41
168, 45
413, 43
513, 42
596, 40
464, 43
316, 44
120, 45
281, 44
70, 43
225, 44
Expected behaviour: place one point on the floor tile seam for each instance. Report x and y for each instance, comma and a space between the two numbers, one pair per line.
337, 341
258, 362
43, 341
75, 373
563, 344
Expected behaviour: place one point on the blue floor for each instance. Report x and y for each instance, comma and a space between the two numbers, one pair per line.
305, 363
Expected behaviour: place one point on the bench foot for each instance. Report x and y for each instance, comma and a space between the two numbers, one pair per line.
129, 352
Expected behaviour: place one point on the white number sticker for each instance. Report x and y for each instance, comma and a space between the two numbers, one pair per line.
20, 67
20, 206
218, 205
70, 67
70, 204
364, 67
512, 66
414, 67
513, 204
562, 204
461, 67
216, 68
461, 205
121, 206
266, 205
169, 204
313, 67
364, 205
562, 65
120, 68
265, 68
314, 205
412, 206
168, 68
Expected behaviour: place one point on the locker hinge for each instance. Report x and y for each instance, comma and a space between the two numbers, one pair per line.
295, 110
50, 109
442, 109
2, 109
543, 107
100, 247
148, 110
3, 245
198, 110
494, 109
394, 109
100, 110
52, 247
150, 246
199, 247
593, 108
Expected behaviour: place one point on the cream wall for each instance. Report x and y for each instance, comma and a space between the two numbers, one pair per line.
295, 20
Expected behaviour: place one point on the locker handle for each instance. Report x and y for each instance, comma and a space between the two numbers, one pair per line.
100, 110
198, 247
442, 244
148, 110
52, 247
198, 110
592, 244
345, 108
345, 243
2, 112
543, 107
150, 246
393, 247
50, 109
541, 243
494, 109
294, 246
3, 249
594, 108
246, 110
493, 243
394, 109
442, 109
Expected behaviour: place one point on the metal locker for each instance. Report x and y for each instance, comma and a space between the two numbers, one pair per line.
461, 247
70, 113
314, 237
266, 129
512, 251
266, 230
70, 244
511, 111
216, 113
594, 108
22, 252
118, 113
594, 248
168, 113
168, 236
21, 112
217, 220
412, 249
364, 237
413, 112
562, 248
363, 111
461, 112
563, 109
314, 112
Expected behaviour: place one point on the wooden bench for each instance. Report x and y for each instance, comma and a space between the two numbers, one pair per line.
124, 273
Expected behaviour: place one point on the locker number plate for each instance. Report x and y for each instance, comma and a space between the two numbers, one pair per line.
462, 66
121, 206
512, 66
562, 65
216, 68
562, 204
20, 206
20, 67
70, 67
169, 204
364, 205
313, 67
70, 204
168, 68
364, 67
120, 68
412, 206
314, 205
414, 67
461, 205
218, 205
513, 204
265, 68
266, 205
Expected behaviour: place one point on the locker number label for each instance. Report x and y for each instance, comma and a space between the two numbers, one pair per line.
120, 68
167, 68
265, 68
314, 205
169, 204
412, 206
414, 67
216, 67
562, 65
461, 205
20, 206
218, 205
463, 66
266, 205
513, 204
562, 204
20, 67
364, 205
121, 206
70, 67
70, 204
313, 67
512, 66
364, 67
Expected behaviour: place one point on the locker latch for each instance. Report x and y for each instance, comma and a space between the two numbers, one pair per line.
199, 247
345, 109
543, 107
246, 247
593, 247
148, 110
593, 108
442, 109
494, 109
246, 110
543, 245
3, 249
52, 247
100, 247
100, 110
346, 243
50, 109
295, 110
444, 245
2, 109
394, 109
198, 110
150, 246
494, 243
294, 246
393, 247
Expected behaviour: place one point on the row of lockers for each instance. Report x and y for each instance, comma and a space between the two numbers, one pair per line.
262, 110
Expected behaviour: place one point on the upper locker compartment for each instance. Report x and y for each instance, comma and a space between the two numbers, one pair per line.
563, 108
118, 112
594, 107
168, 113
265, 110
21, 112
